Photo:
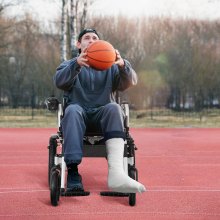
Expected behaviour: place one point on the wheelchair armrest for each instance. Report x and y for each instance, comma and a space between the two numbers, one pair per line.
52, 103
125, 109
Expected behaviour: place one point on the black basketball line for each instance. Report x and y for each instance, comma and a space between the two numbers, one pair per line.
98, 51
100, 60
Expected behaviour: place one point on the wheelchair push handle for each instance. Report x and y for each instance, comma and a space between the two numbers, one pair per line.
52, 103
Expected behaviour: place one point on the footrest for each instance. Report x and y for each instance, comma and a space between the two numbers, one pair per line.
115, 194
75, 193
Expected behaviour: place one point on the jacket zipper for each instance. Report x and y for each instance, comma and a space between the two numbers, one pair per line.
92, 80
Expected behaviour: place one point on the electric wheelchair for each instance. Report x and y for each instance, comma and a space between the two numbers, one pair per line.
94, 146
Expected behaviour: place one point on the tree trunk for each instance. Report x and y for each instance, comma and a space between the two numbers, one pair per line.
73, 28
84, 15
63, 40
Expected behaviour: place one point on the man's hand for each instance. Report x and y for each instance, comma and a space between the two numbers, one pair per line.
119, 61
82, 60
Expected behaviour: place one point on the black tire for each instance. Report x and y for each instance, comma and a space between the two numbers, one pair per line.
52, 152
132, 196
51, 172
55, 187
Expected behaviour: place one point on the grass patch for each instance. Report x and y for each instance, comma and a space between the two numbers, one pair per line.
27, 121
173, 121
168, 118
27, 118
157, 118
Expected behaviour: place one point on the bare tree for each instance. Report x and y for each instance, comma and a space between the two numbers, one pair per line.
83, 17
63, 39
73, 26
73, 19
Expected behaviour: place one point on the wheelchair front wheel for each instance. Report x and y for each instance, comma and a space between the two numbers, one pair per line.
55, 187
132, 196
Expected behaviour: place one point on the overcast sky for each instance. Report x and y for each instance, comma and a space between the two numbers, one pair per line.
185, 8
203, 9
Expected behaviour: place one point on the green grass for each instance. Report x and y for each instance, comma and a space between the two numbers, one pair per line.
167, 118
158, 118
172, 121
27, 118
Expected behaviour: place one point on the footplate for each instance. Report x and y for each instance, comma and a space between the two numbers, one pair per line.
75, 193
114, 194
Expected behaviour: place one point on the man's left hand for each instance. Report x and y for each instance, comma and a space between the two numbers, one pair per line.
119, 61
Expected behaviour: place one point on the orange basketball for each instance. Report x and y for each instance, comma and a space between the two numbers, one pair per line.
101, 55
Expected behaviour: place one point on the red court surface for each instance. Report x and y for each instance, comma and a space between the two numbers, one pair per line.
179, 167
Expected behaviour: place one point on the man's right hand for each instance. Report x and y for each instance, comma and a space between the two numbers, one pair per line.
82, 60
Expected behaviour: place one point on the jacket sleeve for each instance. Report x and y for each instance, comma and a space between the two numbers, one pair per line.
126, 78
66, 73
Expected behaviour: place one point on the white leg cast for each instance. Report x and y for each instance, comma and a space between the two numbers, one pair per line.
118, 180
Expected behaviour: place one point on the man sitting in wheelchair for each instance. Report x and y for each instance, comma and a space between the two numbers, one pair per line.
91, 103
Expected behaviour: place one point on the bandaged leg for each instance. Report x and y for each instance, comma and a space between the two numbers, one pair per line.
118, 180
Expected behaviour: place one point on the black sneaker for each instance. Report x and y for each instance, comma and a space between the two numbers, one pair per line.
74, 182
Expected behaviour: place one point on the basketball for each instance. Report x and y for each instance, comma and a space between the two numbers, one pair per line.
101, 55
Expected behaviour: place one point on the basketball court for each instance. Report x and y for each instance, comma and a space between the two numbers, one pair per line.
179, 167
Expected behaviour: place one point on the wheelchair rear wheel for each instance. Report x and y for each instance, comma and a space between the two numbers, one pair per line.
55, 186
132, 196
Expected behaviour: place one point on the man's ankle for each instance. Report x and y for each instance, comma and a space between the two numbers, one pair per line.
72, 168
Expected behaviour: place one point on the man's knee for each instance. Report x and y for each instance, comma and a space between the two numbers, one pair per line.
73, 111
112, 121
114, 109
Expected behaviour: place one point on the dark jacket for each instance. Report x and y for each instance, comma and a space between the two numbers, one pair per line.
92, 88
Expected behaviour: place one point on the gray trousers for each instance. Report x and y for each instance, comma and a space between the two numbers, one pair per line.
108, 119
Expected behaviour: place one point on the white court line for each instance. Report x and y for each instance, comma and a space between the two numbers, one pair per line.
24, 191
22, 151
177, 156
205, 151
99, 190
201, 165
184, 190
117, 213
23, 164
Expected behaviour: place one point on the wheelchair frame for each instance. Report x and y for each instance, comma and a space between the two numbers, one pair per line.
93, 146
